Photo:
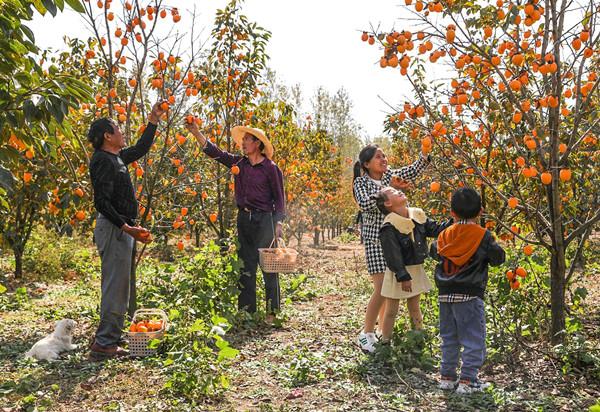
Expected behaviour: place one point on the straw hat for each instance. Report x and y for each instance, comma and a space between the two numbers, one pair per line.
238, 133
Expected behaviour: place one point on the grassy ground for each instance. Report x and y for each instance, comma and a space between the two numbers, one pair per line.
310, 363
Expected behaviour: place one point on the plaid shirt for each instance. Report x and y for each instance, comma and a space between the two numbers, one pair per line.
365, 190
465, 222
455, 298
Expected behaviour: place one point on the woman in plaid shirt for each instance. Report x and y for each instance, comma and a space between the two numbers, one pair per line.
371, 174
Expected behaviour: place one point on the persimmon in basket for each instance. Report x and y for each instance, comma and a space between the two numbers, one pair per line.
151, 325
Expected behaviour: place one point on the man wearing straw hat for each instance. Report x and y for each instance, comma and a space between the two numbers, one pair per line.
259, 196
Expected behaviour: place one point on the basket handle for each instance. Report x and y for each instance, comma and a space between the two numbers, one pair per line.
155, 312
277, 242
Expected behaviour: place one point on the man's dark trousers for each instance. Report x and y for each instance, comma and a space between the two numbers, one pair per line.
256, 230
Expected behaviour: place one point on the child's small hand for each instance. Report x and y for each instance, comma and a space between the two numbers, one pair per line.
406, 286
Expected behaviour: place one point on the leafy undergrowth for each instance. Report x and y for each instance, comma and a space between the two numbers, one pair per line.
308, 361
312, 363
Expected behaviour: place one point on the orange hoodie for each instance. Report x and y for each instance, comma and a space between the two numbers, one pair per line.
458, 244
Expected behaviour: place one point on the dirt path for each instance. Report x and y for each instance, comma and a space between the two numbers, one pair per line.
312, 350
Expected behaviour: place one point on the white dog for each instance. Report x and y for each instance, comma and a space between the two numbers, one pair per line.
58, 341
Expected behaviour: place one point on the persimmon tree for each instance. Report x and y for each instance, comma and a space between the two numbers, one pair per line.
44, 189
232, 77
26, 189
35, 99
517, 118
311, 165
214, 82
31, 97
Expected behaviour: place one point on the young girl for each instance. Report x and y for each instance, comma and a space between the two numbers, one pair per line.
403, 237
371, 173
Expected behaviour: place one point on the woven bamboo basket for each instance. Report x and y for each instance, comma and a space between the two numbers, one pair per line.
278, 259
138, 341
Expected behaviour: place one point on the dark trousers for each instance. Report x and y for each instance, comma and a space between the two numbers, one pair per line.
256, 230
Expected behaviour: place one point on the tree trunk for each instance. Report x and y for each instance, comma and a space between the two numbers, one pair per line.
18, 263
580, 262
316, 237
557, 294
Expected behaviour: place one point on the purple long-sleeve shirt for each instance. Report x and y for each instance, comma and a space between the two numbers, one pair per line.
258, 187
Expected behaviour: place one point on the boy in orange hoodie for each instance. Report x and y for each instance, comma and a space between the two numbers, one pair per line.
464, 251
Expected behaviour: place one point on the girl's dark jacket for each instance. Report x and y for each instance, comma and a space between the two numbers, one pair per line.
404, 240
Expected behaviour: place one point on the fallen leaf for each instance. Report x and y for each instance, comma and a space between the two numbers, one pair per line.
295, 394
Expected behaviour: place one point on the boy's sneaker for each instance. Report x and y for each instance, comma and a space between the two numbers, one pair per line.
367, 341
468, 386
448, 384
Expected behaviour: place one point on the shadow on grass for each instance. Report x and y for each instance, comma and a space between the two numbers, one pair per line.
250, 328
27, 382
409, 374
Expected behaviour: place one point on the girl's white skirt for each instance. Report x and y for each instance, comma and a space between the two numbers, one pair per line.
392, 289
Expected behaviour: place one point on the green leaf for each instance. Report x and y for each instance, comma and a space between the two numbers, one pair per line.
3, 202
7, 180
224, 382
76, 5
23, 78
55, 108
29, 110
18, 47
39, 7
198, 326
50, 6
153, 344
227, 353
581, 293
27, 31
2, 288
586, 20
174, 314
218, 320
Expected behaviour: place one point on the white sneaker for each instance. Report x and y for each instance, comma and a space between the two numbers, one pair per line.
447, 384
467, 386
367, 341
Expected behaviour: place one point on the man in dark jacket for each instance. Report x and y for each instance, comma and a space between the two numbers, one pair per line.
116, 230
464, 251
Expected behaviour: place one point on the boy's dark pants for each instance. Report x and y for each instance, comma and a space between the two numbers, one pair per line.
462, 324
256, 230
